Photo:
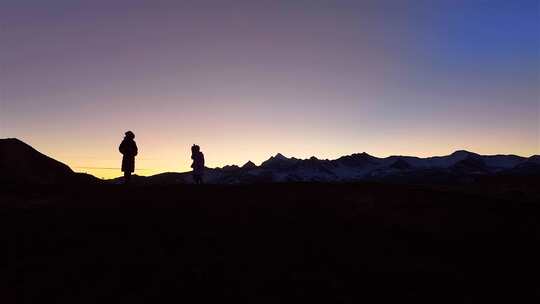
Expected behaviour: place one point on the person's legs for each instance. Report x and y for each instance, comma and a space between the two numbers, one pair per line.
197, 179
127, 177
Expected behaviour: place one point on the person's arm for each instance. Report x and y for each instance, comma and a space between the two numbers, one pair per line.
122, 148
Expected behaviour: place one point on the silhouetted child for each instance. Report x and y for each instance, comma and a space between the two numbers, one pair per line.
198, 164
129, 150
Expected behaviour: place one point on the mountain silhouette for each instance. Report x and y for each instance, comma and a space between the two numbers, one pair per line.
459, 166
357, 160
279, 162
249, 165
20, 163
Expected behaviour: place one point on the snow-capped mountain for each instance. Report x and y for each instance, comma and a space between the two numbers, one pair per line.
19, 162
460, 165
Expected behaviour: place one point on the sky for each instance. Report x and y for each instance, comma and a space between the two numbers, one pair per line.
248, 79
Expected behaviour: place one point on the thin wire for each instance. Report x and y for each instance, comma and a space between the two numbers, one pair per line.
106, 168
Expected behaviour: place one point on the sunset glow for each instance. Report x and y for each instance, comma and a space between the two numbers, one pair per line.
250, 79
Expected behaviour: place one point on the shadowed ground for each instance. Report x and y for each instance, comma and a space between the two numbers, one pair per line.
333, 243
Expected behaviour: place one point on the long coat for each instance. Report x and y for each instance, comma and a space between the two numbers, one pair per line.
129, 150
198, 163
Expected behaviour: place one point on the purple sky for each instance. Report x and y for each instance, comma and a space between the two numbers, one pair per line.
248, 79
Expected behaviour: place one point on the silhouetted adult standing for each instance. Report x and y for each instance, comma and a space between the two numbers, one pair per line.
129, 150
198, 164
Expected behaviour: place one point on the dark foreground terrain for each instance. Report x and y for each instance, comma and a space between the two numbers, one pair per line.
331, 243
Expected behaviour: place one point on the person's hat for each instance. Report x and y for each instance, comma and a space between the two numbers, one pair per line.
130, 134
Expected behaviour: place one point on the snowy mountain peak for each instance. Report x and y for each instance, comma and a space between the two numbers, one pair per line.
279, 161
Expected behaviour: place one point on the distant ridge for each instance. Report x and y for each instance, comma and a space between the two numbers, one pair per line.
460, 165
20, 162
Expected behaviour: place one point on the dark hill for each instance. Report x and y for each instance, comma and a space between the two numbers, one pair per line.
20, 163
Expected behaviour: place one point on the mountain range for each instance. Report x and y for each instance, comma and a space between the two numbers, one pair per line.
19, 162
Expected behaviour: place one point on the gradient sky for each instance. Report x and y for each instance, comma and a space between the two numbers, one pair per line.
247, 79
